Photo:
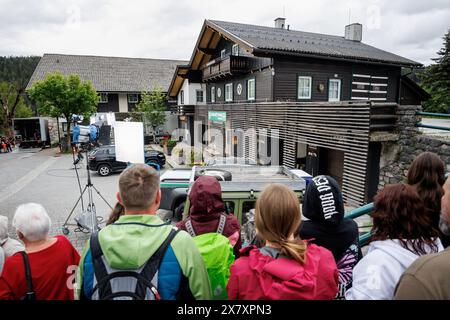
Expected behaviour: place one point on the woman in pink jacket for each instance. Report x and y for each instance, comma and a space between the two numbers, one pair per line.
285, 268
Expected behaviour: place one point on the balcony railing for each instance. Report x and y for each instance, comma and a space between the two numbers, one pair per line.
221, 68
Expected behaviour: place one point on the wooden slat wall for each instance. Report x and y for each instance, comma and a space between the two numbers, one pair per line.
343, 126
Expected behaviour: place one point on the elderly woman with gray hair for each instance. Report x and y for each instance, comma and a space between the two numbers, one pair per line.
46, 269
8, 246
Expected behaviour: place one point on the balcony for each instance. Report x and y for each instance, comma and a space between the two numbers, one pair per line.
222, 68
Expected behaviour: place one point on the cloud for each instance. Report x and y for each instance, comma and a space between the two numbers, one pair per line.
169, 28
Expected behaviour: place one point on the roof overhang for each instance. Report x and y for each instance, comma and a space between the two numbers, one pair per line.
177, 80
421, 93
270, 53
204, 49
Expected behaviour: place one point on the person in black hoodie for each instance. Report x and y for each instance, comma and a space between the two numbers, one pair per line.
326, 227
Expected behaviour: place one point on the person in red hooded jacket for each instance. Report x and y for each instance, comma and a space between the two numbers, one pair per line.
285, 268
206, 207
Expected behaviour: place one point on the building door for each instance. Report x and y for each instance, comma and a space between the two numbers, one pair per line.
301, 153
312, 160
332, 163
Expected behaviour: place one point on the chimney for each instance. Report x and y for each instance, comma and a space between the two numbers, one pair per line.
353, 32
280, 23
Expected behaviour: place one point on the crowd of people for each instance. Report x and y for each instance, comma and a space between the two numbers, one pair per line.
284, 251
6, 144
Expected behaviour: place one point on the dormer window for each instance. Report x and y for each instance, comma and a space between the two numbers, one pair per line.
223, 53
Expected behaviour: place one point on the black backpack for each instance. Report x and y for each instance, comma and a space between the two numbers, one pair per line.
136, 284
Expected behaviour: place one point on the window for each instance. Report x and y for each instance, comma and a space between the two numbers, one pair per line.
334, 90
251, 89
133, 98
229, 92
213, 94
246, 207
235, 50
304, 87
103, 97
223, 53
199, 94
182, 97
229, 206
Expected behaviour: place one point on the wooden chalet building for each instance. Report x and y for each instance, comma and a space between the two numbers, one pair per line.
327, 95
119, 81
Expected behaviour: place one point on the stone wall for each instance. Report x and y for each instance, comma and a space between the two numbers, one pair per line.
398, 154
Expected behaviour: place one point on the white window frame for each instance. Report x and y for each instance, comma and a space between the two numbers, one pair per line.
298, 87
133, 101
339, 81
229, 96
223, 53
182, 97
101, 95
213, 94
196, 96
251, 98
235, 50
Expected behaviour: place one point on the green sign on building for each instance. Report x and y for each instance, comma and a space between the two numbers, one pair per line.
217, 116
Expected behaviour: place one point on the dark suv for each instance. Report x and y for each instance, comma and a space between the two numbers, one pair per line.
103, 160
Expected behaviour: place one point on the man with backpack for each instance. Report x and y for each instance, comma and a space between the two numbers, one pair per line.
216, 233
139, 256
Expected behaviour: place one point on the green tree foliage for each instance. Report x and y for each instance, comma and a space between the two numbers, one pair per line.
11, 102
8, 95
23, 110
153, 107
15, 72
436, 80
58, 96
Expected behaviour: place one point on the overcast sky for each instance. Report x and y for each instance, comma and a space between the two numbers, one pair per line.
168, 29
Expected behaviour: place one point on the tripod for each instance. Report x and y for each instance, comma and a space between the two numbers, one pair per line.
88, 220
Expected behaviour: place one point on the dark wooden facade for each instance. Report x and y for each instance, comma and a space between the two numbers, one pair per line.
339, 132
276, 78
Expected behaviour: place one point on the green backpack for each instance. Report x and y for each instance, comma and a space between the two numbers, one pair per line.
218, 256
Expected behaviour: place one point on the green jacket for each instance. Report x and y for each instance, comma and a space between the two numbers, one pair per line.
128, 246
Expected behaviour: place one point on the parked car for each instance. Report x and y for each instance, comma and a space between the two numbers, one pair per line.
103, 160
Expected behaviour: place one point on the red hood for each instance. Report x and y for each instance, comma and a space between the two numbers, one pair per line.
205, 197
286, 279
206, 206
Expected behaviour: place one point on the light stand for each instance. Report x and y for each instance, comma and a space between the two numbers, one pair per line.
88, 220
78, 178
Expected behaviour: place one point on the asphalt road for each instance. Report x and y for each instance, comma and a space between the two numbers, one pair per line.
43, 177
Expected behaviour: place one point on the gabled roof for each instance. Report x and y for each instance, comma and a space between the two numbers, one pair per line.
268, 39
110, 74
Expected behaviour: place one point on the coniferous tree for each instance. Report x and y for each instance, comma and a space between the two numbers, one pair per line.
436, 80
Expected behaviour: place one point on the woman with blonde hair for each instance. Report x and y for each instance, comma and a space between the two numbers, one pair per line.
286, 267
